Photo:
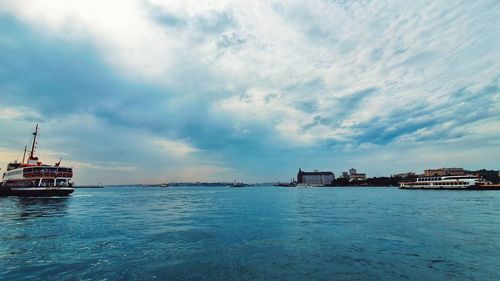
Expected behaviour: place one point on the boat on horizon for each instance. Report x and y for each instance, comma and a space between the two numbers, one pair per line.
458, 182
292, 183
33, 178
238, 184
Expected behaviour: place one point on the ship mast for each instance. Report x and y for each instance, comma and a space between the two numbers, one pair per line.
24, 154
32, 153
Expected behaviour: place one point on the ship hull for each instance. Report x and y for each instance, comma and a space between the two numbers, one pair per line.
35, 191
473, 187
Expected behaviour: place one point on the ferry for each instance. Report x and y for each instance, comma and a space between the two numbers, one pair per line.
238, 184
461, 182
33, 178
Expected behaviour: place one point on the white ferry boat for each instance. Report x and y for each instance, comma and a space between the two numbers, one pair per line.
33, 178
462, 182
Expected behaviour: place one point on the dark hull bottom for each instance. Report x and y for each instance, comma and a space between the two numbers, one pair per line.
35, 192
479, 187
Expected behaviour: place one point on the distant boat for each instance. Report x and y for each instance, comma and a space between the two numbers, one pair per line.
238, 184
165, 185
292, 183
462, 182
283, 184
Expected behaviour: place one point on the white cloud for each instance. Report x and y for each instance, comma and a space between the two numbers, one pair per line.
16, 113
121, 30
174, 148
9, 113
389, 45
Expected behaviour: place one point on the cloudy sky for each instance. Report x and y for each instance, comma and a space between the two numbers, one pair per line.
153, 91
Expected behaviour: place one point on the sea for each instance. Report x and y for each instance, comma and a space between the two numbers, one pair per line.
252, 233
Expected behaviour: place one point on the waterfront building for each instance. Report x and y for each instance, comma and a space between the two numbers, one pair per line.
315, 178
444, 172
345, 175
358, 177
354, 176
405, 175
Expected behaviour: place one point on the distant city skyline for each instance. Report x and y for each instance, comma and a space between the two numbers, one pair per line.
158, 91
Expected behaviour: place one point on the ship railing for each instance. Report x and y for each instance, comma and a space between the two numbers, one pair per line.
48, 174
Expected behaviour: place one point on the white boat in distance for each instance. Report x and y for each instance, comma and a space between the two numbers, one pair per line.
461, 182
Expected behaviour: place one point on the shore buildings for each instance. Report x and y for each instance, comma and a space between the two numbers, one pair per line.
405, 175
355, 176
444, 172
315, 178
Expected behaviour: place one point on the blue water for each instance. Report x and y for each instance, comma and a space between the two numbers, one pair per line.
252, 233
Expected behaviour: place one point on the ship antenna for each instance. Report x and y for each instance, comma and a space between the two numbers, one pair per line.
24, 154
34, 140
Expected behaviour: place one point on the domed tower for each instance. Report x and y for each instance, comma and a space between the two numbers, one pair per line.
299, 176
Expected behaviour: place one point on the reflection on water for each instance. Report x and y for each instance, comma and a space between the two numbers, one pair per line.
42, 207
22, 208
30, 232
131, 233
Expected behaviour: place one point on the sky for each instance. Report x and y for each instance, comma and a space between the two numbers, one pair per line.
157, 91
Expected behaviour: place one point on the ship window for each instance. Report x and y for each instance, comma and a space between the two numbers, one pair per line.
61, 182
47, 182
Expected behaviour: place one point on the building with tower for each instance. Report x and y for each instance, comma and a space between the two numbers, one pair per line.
315, 178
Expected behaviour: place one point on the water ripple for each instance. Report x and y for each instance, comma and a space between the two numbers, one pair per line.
251, 234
